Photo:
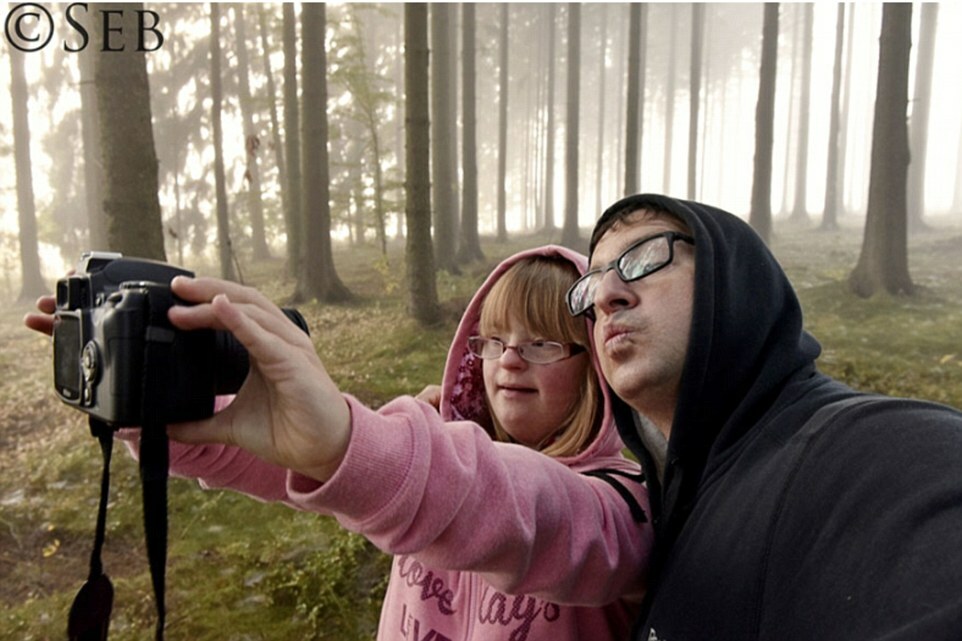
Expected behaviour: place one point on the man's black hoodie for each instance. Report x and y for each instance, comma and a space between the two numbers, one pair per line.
791, 506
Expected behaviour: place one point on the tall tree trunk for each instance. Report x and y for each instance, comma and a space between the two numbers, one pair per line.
442, 130
252, 141
272, 106
93, 155
292, 144
830, 211
503, 125
32, 284
799, 210
225, 250
569, 233
843, 119
670, 102
470, 247
422, 282
131, 204
633, 111
600, 149
549, 169
919, 123
694, 94
790, 128
761, 208
883, 262
318, 277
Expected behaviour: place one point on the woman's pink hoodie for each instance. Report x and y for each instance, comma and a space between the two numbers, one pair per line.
491, 541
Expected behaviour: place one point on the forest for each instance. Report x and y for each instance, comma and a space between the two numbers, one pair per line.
369, 163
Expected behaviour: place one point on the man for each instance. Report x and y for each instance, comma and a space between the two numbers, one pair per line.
785, 505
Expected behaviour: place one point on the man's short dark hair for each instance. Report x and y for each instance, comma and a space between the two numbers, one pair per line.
623, 209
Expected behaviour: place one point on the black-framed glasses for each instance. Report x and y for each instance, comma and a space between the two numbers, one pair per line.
538, 352
641, 259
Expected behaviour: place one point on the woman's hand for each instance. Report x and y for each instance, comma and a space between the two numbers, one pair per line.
431, 395
288, 411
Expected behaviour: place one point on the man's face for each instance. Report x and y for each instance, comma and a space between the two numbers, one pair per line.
641, 329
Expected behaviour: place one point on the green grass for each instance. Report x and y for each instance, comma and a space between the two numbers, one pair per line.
243, 570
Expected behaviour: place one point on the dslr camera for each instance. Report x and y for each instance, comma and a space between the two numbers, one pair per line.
118, 358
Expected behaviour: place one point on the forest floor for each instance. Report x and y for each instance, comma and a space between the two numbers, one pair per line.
241, 570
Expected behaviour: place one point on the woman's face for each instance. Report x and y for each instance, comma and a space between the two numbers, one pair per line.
532, 400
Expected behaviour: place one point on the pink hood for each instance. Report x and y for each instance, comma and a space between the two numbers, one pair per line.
462, 387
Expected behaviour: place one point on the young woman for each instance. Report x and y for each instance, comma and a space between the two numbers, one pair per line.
512, 513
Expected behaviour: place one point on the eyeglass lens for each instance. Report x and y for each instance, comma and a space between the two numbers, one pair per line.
541, 352
638, 261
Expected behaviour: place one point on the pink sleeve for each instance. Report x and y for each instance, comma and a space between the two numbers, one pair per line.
220, 466
413, 484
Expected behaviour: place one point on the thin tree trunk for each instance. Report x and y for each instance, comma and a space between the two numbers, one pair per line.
292, 144
272, 106
633, 111
830, 212
93, 155
32, 284
761, 209
549, 168
503, 125
470, 248
570, 236
602, 95
694, 94
919, 123
225, 250
442, 129
799, 210
843, 119
670, 102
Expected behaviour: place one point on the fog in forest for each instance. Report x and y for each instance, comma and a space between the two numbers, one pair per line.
698, 71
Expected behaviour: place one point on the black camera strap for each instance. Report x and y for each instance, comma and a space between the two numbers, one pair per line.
154, 453
153, 480
90, 613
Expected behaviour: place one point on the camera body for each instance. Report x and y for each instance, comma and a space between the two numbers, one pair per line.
119, 359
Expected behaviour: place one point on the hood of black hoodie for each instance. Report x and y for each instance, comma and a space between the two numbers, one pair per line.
746, 343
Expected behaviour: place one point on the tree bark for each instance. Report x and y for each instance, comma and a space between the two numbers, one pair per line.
422, 283
131, 204
694, 94
551, 126
761, 208
830, 211
570, 236
470, 247
632, 110
503, 125
919, 123
292, 144
93, 155
883, 262
799, 210
32, 284
442, 131
318, 277
272, 106
225, 250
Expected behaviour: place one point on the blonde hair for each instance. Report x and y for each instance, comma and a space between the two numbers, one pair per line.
532, 291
